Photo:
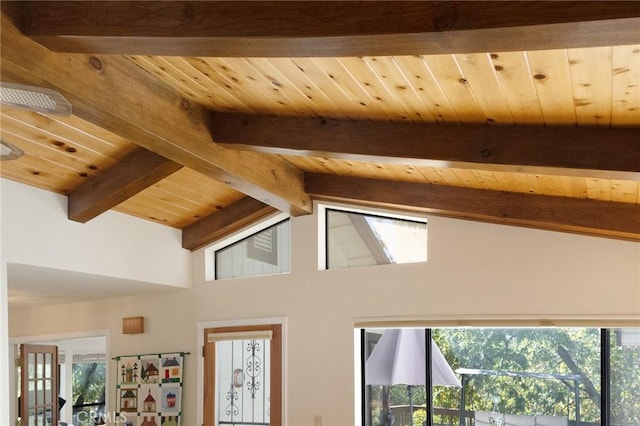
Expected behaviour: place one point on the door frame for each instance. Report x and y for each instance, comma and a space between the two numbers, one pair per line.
14, 343
282, 321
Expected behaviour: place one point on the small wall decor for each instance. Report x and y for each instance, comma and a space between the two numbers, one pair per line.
133, 325
149, 389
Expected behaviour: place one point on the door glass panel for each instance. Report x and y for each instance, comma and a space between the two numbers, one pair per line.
32, 392
39, 365
48, 393
243, 382
32, 417
48, 361
40, 391
31, 361
40, 416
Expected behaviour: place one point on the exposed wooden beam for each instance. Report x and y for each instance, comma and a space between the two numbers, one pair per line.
113, 93
131, 175
319, 28
599, 218
603, 152
242, 213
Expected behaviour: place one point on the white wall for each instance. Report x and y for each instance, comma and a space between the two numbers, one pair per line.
475, 270
36, 231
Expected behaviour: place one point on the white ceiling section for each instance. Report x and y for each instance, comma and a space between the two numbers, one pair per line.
30, 286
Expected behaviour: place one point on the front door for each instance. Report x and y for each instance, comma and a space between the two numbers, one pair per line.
39, 385
243, 376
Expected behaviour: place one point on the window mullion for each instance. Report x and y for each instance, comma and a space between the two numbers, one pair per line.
605, 377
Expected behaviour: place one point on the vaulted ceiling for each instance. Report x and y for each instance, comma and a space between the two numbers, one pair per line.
207, 116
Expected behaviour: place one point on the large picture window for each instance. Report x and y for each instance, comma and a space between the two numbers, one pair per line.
501, 376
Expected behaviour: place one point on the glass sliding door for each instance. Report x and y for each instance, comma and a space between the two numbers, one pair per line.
549, 376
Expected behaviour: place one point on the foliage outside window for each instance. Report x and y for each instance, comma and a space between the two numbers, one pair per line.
551, 351
625, 378
88, 392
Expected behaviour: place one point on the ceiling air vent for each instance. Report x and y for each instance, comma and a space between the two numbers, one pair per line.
45, 101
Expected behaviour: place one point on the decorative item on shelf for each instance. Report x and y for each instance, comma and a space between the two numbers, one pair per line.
133, 325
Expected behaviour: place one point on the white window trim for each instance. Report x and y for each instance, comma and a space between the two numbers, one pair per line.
209, 252
322, 207
282, 321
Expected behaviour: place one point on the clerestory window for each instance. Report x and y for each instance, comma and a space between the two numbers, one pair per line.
261, 250
360, 238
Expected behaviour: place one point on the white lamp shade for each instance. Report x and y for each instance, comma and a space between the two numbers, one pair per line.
400, 358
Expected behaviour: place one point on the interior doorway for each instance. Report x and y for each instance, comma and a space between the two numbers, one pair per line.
83, 371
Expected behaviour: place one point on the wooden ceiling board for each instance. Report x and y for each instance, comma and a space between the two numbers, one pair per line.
364, 103
431, 95
150, 207
482, 79
296, 76
66, 153
518, 88
222, 94
586, 86
253, 87
405, 87
180, 199
73, 131
539, 87
40, 173
60, 152
625, 191
165, 104
591, 77
550, 71
189, 87
625, 85
451, 79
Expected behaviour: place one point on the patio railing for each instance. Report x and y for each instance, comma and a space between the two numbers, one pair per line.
442, 416
448, 417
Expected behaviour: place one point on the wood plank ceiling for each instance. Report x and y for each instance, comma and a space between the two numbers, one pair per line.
206, 116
